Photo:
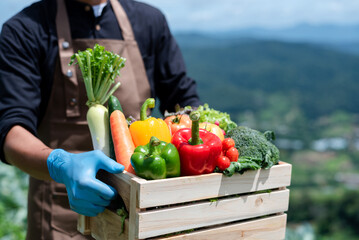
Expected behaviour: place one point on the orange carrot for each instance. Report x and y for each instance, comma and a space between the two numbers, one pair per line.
122, 140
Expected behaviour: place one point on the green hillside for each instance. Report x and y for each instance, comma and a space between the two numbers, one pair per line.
247, 75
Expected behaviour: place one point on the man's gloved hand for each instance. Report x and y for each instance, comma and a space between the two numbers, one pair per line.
87, 195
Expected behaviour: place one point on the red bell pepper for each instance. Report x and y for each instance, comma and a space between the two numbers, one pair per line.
198, 148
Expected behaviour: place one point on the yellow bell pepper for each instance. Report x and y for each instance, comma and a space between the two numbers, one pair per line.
142, 130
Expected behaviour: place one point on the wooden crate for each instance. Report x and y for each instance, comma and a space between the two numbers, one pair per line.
211, 206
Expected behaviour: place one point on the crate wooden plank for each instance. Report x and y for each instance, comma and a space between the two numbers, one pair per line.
108, 226
83, 224
185, 189
269, 228
168, 220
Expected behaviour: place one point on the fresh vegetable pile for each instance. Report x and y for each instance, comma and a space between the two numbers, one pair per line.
187, 142
186, 146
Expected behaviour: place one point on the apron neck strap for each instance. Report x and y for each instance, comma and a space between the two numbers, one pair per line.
63, 25
122, 20
65, 52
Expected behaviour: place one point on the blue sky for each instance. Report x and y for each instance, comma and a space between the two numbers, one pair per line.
214, 15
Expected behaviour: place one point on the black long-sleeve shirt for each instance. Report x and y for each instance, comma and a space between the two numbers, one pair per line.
28, 51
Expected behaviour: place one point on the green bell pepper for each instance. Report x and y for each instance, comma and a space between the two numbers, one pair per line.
156, 160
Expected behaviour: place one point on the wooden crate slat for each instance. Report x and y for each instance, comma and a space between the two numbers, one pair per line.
162, 221
186, 189
269, 228
107, 226
133, 228
84, 224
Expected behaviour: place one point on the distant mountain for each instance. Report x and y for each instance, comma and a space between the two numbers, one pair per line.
350, 47
252, 74
298, 33
305, 33
201, 40
343, 38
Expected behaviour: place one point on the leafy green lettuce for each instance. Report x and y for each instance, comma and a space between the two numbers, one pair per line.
211, 115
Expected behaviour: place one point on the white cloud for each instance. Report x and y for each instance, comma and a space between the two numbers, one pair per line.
207, 15
235, 14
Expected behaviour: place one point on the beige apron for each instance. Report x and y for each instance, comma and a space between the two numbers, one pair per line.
64, 124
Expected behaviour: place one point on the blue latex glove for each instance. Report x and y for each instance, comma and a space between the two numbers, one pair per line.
87, 195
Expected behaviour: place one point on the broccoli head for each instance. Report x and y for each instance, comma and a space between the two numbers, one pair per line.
255, 149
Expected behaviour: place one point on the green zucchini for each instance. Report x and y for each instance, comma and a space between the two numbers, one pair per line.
113, 104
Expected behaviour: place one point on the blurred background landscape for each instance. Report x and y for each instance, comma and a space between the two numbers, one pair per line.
287, 66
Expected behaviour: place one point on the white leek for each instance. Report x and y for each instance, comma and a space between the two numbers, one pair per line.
99, 69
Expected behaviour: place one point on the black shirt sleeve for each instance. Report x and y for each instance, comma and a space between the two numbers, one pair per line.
19, 80
172, 86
